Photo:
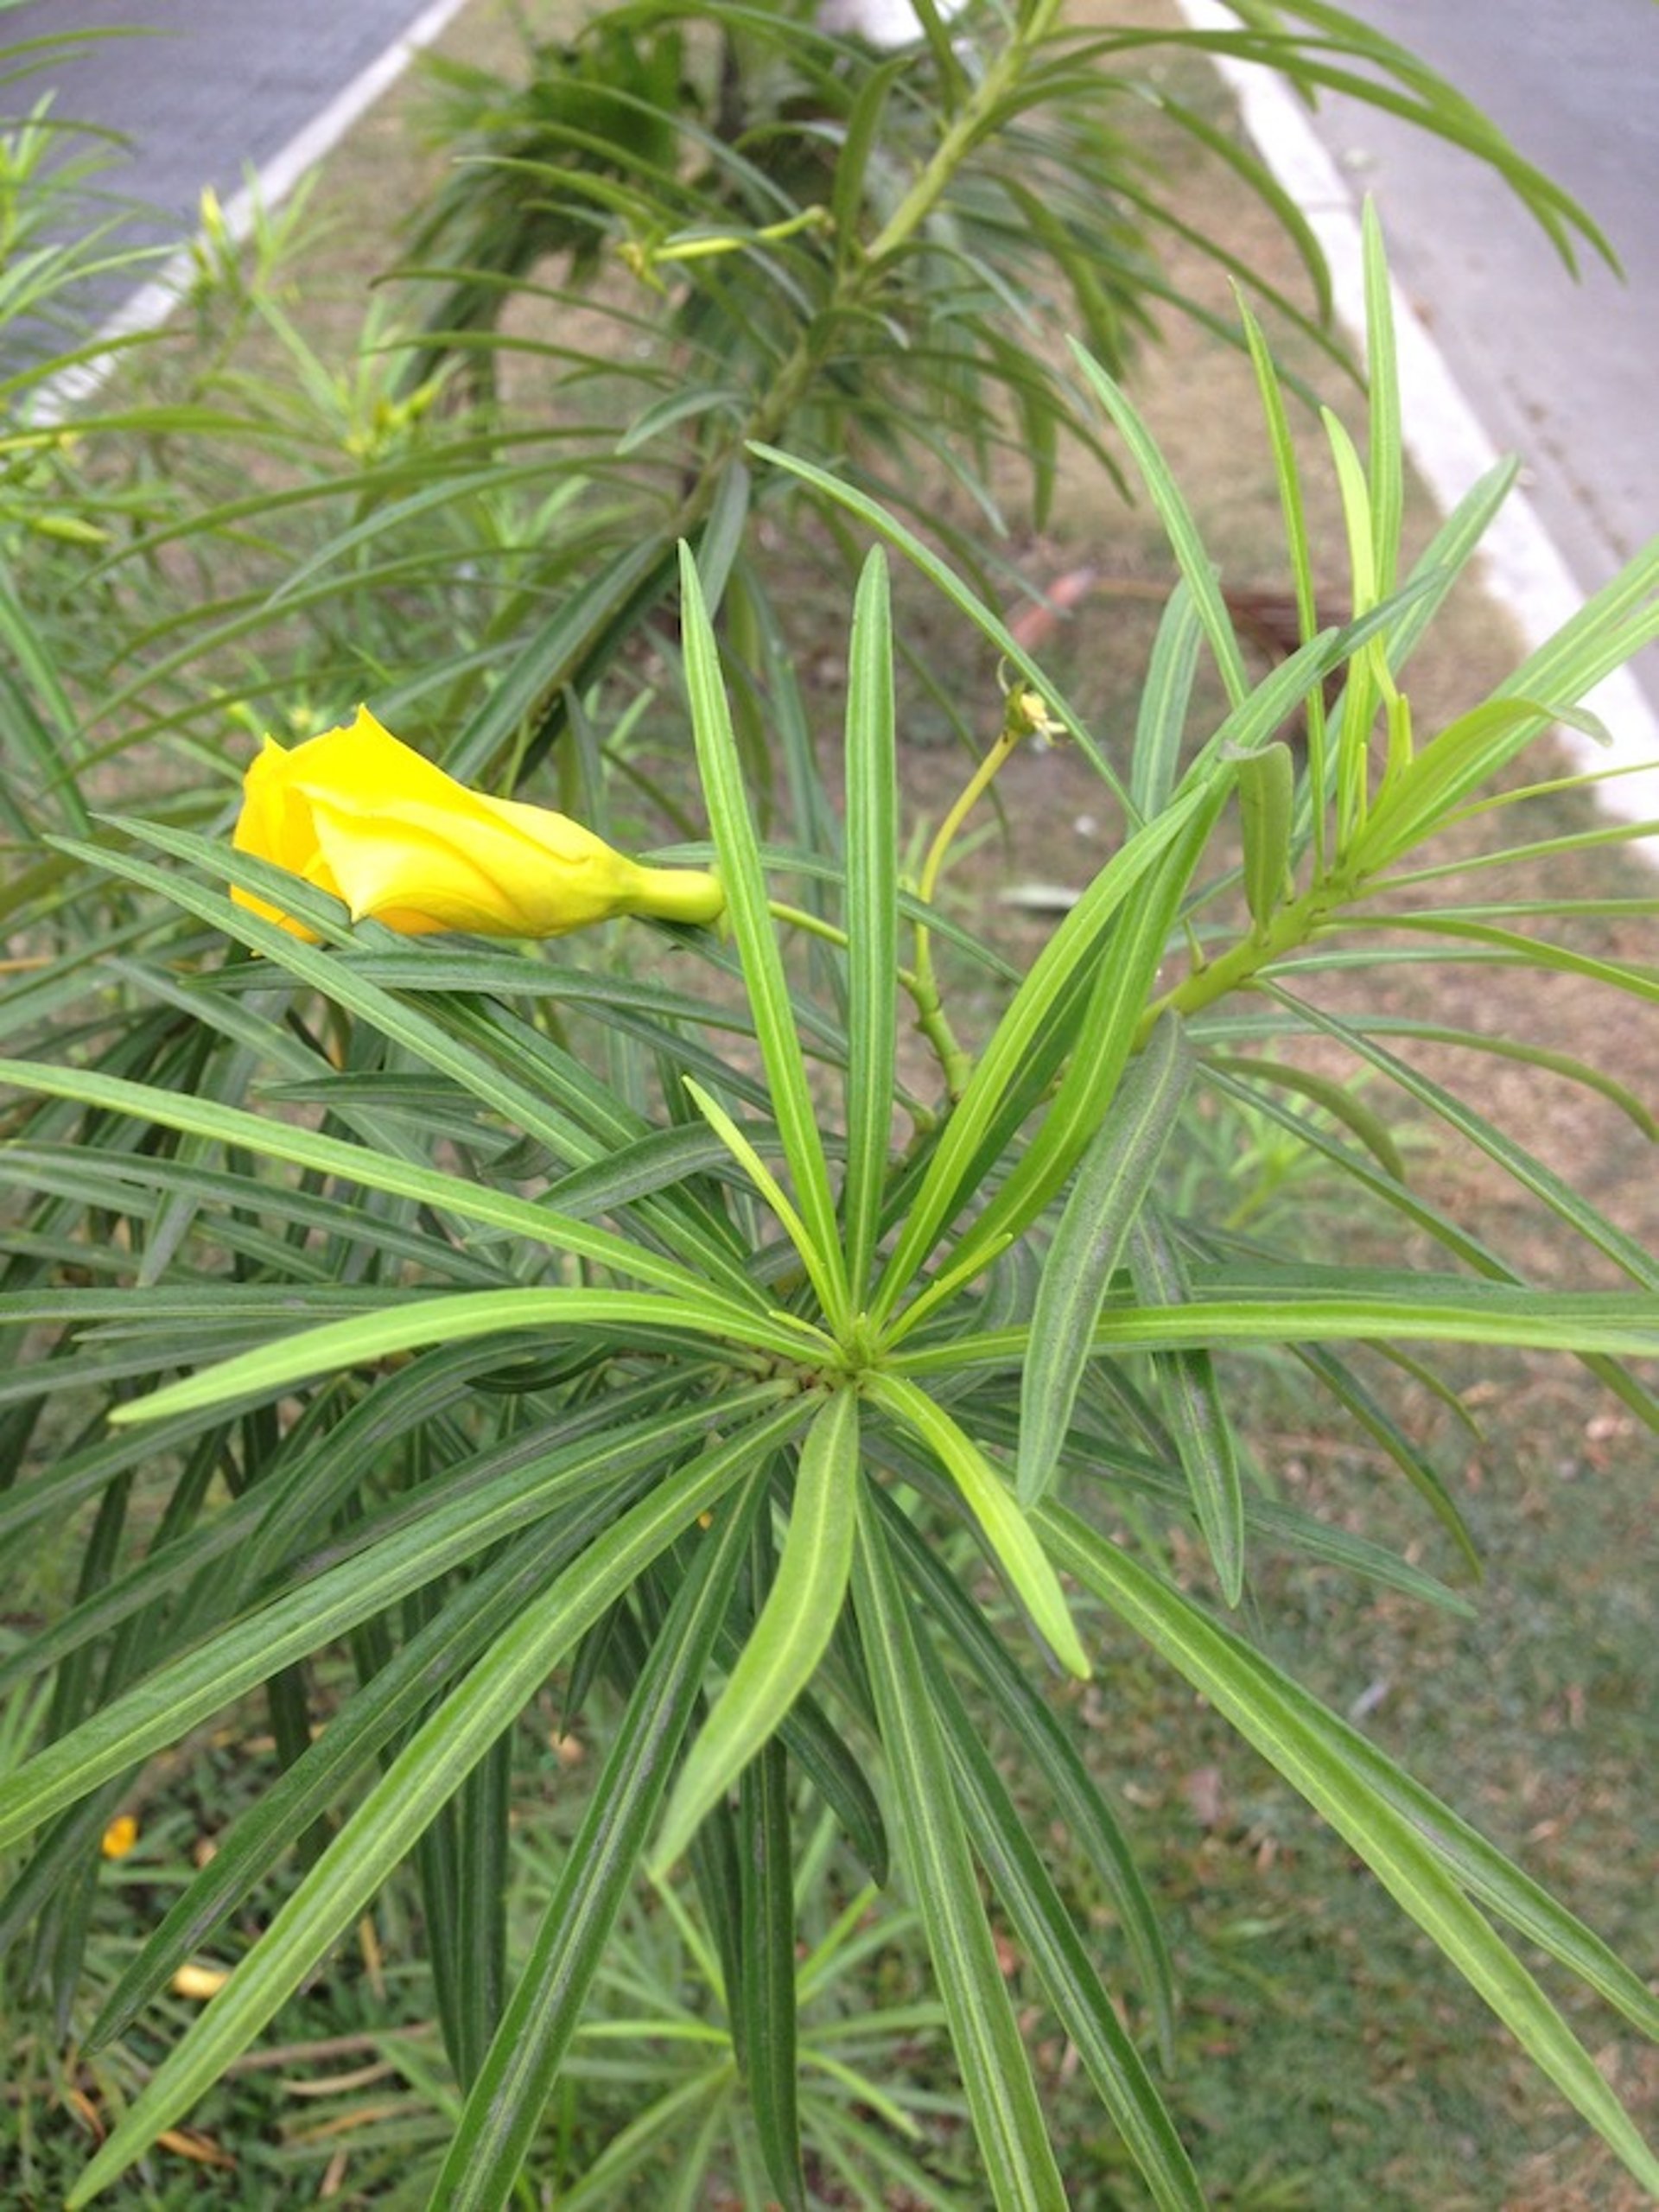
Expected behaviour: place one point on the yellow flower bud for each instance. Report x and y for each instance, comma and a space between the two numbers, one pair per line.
357, 812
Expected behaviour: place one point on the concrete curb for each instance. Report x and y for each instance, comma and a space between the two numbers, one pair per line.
1523, 567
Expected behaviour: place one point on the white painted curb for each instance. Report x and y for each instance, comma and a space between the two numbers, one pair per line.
1449, 450
154, 302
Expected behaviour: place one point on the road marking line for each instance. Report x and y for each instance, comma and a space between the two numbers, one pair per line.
153, 302
1524, 568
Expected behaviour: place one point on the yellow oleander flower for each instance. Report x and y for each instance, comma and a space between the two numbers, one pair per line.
357, 812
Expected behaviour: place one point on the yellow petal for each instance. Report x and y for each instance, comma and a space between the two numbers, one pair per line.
119, 1837
359, 813
201, 1982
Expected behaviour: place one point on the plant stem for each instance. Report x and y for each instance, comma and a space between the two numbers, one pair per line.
930, 1019
1237, 969
860, 273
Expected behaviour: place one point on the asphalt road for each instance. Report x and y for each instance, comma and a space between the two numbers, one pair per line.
207, 88
1565, 374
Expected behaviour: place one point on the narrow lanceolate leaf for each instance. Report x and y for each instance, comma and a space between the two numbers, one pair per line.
1267, 800
794, 1627
451, 1319
1429, 1309
767, 1994
1112, 1183
505, 2103
950, 586
371, 1170
768, 1186
1531, 1172
1195, 1409
1293, 510
1341, 1101
393, 1700
1049, 1937
1116, 1009
951, 1174
1166, 698
1012, 1539
422, 1779
1292, 1732
1008, 2121
185, 1690
1046, 1740
871, 918
1387, 445
738, 852
1179, 526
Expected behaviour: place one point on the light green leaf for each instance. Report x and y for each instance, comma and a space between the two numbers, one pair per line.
950, 1173
740, 876
871, 919
453, 1319
793, 1629
1008, 2121
1195, 1408
1112, 1183
504, 2104
171, 1702
1002, 1523
1179, 527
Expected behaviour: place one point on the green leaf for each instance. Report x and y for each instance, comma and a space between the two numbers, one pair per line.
1563, 1201
768, 1994
550, 660
793, 1632
624, 1314
1112, 1022
752, 926
1009, 2121
1351, 1394
951, 1172
1112, 1183
505, 2105
990, 626
370, 1169
1294, 513
1165, 699
1179, 527
1420, 1309
1340, 1099
1002, 1523
1307, 1747
199, 1683
1049, 1937
1195, 1408
1387, 456
1267, 800
872, 919
393, 1699
425, 1773
1046, 1740
558, 1102
768, 1186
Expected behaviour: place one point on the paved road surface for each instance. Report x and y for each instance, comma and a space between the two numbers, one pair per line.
1566, 375
215, 85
